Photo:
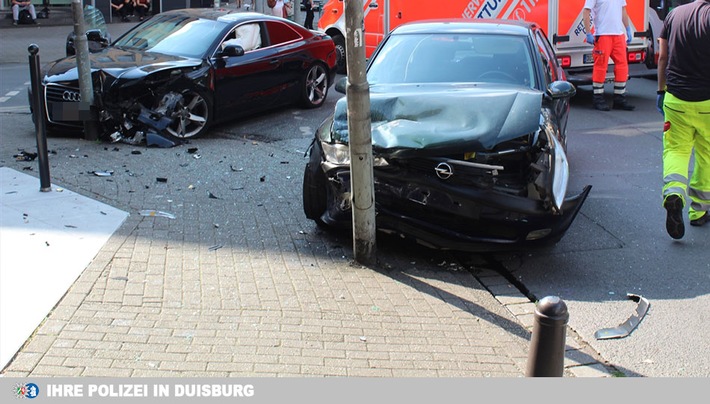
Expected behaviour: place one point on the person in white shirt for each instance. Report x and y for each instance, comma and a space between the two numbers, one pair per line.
278, 9
612, 32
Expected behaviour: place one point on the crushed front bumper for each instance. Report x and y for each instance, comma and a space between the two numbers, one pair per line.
442, 216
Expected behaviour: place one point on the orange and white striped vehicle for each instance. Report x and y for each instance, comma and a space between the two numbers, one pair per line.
560, 19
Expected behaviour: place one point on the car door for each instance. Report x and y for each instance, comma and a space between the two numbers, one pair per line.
288, 61
243, 84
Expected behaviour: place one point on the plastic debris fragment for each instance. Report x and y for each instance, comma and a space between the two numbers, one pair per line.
625, 328
25, 156
154, 139
105, 173
156, 213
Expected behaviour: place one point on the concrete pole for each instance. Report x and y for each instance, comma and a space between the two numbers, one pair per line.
86, 87
361, 171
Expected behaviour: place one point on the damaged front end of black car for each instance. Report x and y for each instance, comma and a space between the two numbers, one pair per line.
159, 104
456, 167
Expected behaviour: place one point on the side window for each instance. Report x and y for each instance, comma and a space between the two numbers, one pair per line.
280, 33
248, 36
548, 57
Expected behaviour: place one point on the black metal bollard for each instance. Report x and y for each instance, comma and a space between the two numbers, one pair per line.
39, 113
547, 348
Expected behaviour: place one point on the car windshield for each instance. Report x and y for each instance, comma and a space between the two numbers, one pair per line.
452, 58
173, 35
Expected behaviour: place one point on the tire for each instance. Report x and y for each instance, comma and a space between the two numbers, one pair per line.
314, 86
341, 64
315, 193
192, 116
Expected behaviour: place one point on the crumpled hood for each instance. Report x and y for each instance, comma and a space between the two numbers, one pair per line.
119, 62
437, 118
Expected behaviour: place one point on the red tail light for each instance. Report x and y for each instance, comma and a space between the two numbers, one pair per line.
564, 61
637, 56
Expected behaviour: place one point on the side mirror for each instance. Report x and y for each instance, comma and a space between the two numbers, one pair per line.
232, 50
561, 89
93, 35
341, 84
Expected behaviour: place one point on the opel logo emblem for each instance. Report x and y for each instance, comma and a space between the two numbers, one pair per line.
72, 96
444, 171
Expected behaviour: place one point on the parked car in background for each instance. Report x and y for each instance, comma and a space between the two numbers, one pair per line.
469, 125
183, 70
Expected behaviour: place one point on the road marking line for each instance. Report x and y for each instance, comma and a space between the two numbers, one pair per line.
12, 93
3, 99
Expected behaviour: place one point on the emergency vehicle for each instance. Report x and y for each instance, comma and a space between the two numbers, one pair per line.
563, 24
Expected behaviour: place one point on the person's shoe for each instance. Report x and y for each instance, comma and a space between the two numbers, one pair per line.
599, 103
126, 19
14, 22
621, 103
35, 22
674, 217
701, 220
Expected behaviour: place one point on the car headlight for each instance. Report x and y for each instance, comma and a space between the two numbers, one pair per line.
339, 154
336, 153
560, 171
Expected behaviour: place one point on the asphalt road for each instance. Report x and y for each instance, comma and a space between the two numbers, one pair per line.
617, 245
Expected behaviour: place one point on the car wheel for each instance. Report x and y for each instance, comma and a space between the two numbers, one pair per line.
191, 116
314, 87
314, 189
341, 65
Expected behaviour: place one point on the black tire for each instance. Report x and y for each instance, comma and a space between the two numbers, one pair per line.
315, 193
192, 116
341, 64
314, 86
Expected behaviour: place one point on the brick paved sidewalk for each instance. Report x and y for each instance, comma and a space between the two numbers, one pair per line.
241, 283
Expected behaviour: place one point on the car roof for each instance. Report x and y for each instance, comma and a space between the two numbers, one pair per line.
224, 15
477, 25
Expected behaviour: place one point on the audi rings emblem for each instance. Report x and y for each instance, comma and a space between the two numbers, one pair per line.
444, 171
71, 96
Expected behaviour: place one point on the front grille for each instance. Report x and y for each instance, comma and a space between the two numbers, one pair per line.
463, 175
62, 104
58, 93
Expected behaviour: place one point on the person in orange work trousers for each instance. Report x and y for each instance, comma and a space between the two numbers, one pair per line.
610, 22
684, 100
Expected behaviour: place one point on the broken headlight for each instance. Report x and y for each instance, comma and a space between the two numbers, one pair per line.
336, 153
339, 154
